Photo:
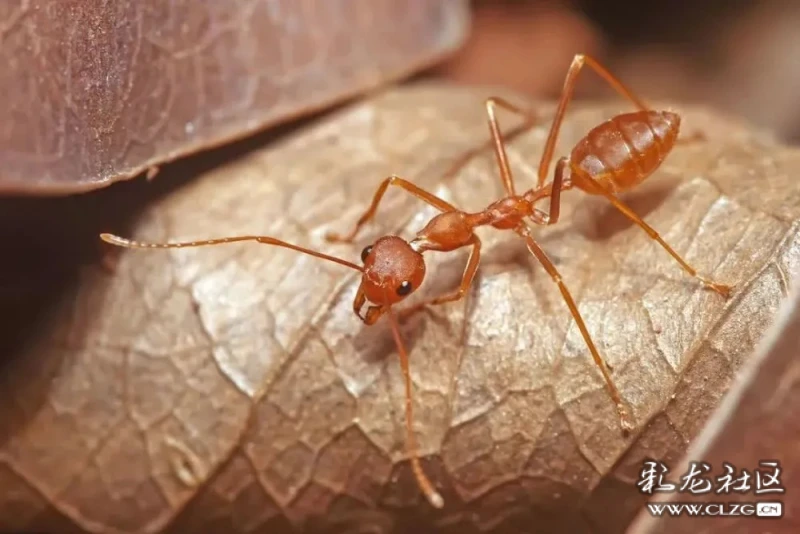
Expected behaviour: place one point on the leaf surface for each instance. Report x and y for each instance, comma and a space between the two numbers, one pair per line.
230, 389
101, 91
753, 431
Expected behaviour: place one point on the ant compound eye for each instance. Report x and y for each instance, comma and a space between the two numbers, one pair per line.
404, 289
365, 253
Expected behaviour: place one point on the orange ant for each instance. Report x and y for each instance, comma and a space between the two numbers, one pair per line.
613, 157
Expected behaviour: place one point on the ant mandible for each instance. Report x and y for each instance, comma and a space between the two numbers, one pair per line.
613, 157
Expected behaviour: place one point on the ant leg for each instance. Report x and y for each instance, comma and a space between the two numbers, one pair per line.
415, 190
722, 289
540, 255
695, 137
566, 95
266, 240
423, 482
497, 137
466, 281
553, 190
470, 154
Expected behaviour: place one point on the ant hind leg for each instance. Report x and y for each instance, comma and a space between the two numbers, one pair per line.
590, 185
578, 62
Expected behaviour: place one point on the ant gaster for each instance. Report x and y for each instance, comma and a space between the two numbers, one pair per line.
613, 157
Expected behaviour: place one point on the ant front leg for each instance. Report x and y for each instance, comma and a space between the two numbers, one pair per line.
415, 190
433, 496
566, 96
466, 281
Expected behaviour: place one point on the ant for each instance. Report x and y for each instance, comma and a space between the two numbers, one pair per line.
613, 157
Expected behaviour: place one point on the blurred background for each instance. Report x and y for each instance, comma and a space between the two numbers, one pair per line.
742, 56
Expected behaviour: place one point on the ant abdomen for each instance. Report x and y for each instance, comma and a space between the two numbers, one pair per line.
621, 152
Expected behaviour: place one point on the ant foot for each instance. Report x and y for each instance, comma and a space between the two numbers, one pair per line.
723, 289
625, 418
435, 499
694, 137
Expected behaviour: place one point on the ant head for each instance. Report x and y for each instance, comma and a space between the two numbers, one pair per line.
392, 270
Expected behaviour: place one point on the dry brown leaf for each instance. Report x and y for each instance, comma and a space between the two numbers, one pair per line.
100, 91
230, 389
757, 422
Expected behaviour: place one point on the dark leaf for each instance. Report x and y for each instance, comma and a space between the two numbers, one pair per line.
100, 91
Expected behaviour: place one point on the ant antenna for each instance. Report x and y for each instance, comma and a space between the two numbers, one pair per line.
424, 483
129, 243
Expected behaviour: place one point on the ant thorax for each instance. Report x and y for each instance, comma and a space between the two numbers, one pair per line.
445, 232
